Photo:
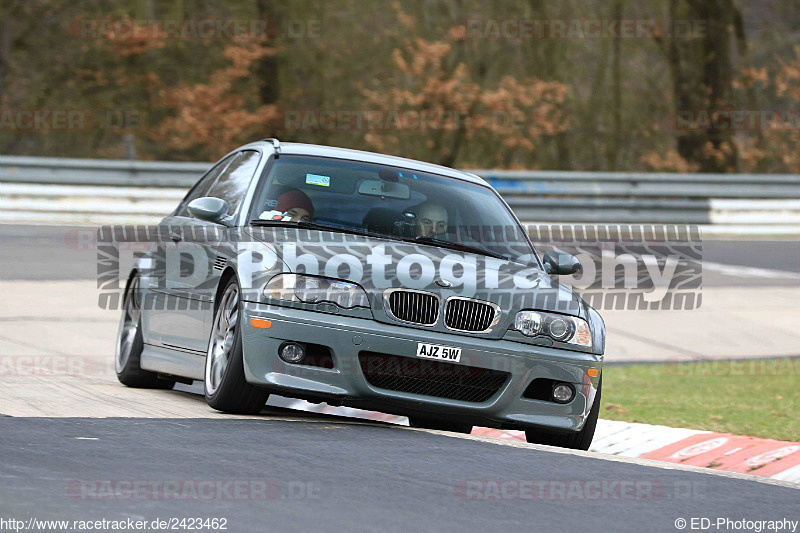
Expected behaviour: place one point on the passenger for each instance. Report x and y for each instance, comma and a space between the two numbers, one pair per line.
293, 206
431, 220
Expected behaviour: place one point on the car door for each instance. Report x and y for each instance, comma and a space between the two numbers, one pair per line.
165, 323
203, 253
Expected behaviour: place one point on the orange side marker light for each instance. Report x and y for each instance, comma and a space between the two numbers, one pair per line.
593, 372
260, 323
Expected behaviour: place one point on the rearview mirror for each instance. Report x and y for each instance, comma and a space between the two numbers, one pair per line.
210, 209
561, 263
387, 189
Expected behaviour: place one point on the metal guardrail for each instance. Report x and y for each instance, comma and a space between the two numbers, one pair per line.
654, 184
69, 171
627, 197
546, 196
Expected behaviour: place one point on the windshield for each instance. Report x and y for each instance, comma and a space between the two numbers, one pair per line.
390, 201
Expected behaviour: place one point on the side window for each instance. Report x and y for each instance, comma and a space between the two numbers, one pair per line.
232, 183
201, 187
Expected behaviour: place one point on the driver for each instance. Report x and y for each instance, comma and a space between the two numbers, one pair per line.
293, 206
431, 220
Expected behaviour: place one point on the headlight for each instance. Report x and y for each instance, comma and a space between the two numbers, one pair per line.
312, 290
561, 328
528, 323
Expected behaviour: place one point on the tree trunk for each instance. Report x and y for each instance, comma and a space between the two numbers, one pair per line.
615, 142
5, 46
702, 76
267, 69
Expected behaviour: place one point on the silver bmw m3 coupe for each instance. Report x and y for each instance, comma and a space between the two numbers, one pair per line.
365, 280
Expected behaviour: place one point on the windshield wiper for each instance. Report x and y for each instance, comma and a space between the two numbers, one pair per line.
461, 247
358, 231
322, 227
290, 224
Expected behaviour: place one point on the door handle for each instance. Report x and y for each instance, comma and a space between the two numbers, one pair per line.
175, 237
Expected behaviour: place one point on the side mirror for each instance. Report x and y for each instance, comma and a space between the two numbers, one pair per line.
210, 209
561, 263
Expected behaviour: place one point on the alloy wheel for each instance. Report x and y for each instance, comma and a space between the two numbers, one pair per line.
223, 337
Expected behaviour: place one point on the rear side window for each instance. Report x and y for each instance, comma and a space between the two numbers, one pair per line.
202, 187
232, 183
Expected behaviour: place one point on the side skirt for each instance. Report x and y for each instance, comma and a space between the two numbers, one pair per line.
173, 362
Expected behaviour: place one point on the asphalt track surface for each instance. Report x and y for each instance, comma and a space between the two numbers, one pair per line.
327, 473
351, 477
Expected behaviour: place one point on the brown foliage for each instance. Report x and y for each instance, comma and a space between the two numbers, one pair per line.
513, 113
220, 112
772, 147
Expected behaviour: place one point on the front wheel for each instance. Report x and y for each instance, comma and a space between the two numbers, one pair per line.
578, 440
226, 388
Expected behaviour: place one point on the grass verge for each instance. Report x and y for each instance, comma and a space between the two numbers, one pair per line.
756, 397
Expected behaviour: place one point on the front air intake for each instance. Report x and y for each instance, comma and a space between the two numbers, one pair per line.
431, 378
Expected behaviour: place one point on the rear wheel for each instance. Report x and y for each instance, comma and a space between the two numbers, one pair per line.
438, 423
578, 440
130, 344
225, 386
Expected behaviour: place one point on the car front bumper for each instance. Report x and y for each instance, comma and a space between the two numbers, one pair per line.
346, 384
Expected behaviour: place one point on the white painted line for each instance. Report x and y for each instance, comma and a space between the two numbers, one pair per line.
706, 230
744, 230
749, 272
792, 475
77, 219
91, 191
748, 204
88, 206
646, 440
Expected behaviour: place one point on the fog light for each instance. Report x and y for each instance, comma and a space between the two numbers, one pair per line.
563, 392
291, 352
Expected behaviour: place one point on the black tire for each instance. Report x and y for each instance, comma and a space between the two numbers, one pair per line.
225, 386
577, 440
130, 344
438, 423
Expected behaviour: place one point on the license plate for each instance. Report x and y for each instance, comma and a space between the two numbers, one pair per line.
439, 352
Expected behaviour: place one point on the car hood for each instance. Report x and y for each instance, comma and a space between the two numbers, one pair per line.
378, 264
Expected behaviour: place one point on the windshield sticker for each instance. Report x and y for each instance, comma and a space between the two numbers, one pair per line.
316, 179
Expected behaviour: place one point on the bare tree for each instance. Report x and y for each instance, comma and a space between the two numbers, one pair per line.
701, 65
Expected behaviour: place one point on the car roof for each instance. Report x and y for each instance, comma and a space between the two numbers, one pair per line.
290, 148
